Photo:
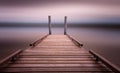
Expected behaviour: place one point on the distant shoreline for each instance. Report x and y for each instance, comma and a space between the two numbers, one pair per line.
85, 25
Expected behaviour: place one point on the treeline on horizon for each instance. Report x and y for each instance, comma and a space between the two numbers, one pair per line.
99, 25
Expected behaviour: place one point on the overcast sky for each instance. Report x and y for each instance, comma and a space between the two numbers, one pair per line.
76, 10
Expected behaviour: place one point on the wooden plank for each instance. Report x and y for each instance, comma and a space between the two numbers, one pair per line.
57, 59
106, 62
56, 62
55, 44
27, 56
10, 57
38, 41
46, 54
76, 47
61, 70
69, 47
68, 51
57, 40
58, 35
56, 65
49, 51
54, 53
71, 59
57, 54
55, 49
75, 41
58, 47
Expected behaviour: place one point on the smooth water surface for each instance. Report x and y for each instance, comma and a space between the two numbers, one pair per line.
106, 42
14, 38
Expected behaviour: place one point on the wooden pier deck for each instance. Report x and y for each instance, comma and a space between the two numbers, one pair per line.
55, 54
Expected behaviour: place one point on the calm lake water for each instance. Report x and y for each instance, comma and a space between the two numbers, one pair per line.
106, 42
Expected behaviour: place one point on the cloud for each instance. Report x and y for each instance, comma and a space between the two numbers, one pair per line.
50, 2
76, 10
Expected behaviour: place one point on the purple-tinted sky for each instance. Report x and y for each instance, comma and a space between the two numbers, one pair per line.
76, 10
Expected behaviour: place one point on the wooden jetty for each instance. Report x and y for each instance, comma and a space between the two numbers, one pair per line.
56, 54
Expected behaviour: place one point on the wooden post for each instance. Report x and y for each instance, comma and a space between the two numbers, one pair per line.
65, 25
49, 24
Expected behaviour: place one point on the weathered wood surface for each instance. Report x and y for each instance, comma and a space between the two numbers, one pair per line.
59, 70
55, 62
56, 54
